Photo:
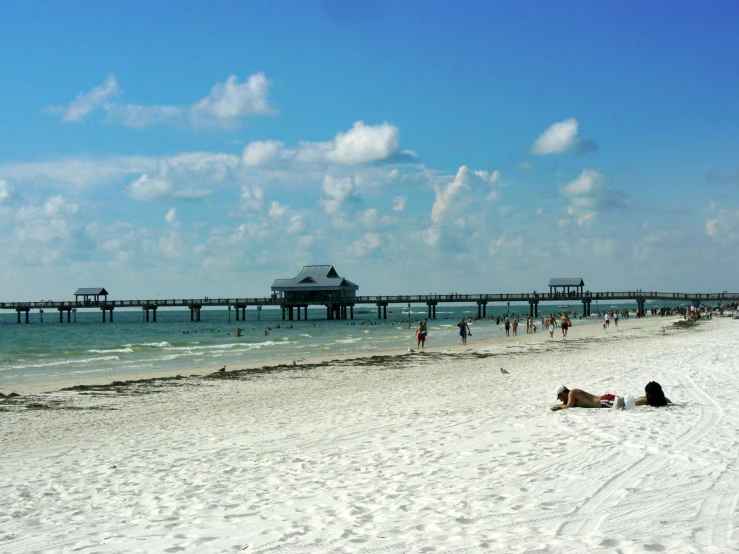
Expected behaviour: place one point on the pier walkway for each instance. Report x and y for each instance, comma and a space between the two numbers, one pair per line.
343, 308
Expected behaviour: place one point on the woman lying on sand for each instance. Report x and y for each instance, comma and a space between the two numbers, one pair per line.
578, 398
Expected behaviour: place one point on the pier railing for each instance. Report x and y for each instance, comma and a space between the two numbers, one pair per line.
381, 300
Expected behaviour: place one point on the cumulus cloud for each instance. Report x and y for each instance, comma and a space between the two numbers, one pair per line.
295, 225
399, 203
226, 105
171, 217
88, 102
504, 242
252, 198
213, 167
365, 245
341, 193
262, 152
468, 187
445, 196
147, 188
590, 193
276, 209
369, 217
723, 226
362, 144
46, 223
230, 101
5, 191
561, 138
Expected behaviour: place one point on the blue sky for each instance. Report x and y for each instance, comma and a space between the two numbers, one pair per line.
181, 149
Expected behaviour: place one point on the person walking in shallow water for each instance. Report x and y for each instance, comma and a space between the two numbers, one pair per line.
565, 324
464, 330
507, 325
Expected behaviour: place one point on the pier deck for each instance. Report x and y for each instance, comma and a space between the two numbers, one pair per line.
381, 302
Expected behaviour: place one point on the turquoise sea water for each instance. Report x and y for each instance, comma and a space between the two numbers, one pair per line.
49, 350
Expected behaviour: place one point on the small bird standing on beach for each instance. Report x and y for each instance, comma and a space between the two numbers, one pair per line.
503, 371
223, 369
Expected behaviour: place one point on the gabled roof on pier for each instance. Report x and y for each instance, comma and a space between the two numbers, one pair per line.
566, 282
315, 277
94, 291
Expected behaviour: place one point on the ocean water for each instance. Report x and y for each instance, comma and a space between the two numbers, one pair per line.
47, 350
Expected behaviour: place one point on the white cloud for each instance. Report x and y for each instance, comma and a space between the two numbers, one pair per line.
369, 217
430, 236
723, 226
80, 171
399, 203
445, 196
561, 138
365, 143
490, 177
140, 117
147, 188
505, 243
261, 152
50, 222
589, 194
172, 245
276, 209
59, 205
340, 191
588, 182
207, 166
226, 104
295, 225
365, 245
87, 102
252, 198
362, 144
229, 101
5, 191
171, 217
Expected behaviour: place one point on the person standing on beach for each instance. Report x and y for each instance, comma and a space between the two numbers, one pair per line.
464, 330
421, 332
507, 325
550, 325
515, 326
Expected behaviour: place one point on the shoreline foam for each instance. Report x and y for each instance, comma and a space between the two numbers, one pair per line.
580, 329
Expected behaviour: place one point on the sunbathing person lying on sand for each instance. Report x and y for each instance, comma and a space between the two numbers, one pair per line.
578, 398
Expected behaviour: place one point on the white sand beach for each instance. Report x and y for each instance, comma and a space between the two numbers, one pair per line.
433, 452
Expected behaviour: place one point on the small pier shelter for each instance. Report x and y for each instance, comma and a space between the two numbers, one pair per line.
91, 295
317, 284
566, 286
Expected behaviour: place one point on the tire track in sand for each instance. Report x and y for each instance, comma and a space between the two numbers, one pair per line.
587, 518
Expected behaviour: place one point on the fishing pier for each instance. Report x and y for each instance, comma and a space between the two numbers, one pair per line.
342, 308
321, 285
